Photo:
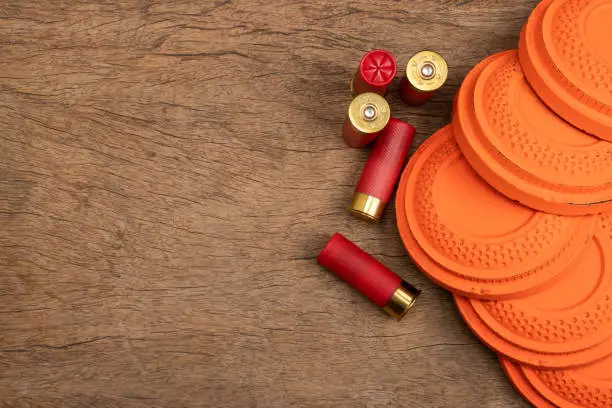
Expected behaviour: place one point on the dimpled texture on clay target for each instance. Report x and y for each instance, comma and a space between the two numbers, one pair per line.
519, 354
572, 314
566, 54
589, 320
517, 377
589, 386
523, 149
605, 223
472, 240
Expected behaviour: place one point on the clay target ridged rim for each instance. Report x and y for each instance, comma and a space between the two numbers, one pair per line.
484, 282
522, 355
566, 53
486, 289
471, 229
516, 376
525, 150
572, 314
589, 386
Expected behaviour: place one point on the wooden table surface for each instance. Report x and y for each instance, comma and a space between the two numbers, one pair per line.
169, 171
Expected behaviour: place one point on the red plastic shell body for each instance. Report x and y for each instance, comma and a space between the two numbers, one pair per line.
386, 160
358, 269
412, 96
354, 138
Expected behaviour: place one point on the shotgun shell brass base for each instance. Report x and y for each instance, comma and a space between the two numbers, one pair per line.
426, 72
367, 115
402, 301
367, 207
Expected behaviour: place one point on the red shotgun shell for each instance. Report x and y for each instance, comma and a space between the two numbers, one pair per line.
367, 115
382, 170
426, 72
376, 71
368, 276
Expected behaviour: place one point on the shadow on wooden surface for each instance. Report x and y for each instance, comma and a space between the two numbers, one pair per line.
169, 171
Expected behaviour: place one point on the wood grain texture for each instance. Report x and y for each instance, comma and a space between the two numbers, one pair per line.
169, 171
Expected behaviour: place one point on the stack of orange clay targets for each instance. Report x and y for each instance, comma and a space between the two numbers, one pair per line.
510, 206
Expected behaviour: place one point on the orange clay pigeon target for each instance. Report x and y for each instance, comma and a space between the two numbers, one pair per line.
473, 240
565, 51
523, 149
517, 377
